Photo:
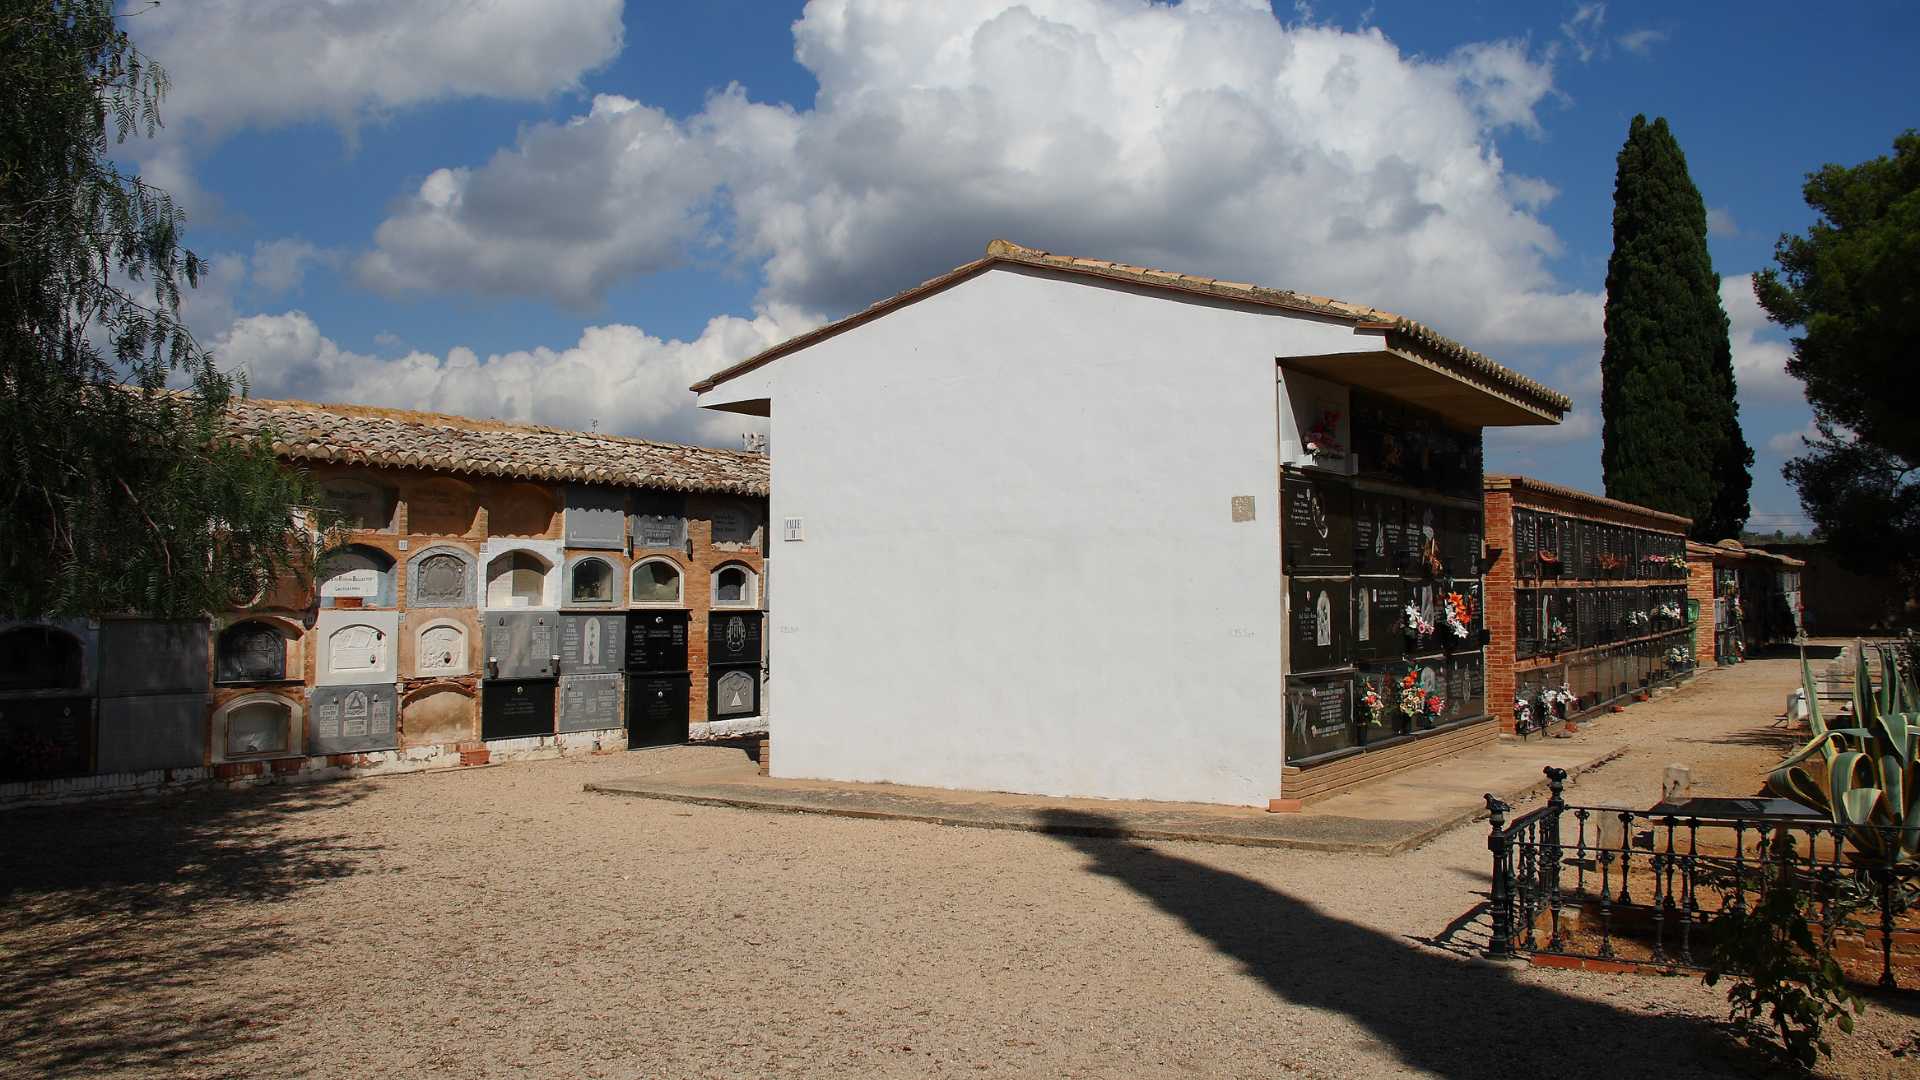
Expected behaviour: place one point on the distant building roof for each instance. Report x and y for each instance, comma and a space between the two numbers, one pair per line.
398, 438
1731, 550
1502, 482
1401, 332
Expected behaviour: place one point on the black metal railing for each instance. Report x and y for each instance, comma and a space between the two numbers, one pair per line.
1641, 886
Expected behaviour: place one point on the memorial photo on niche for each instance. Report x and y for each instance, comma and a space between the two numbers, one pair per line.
1316, 524
1320, 716
1321, 623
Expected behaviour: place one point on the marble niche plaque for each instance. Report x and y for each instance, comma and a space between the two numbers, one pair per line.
516, 709
657, 709
440, 648
1379, 531
1465, 690
147, 656
658, 521
592, 644
351, 719
1316, 524
251, 651
733, 637
522, 645
441, 578
442, 508
1378, 616
596, 518
733, 693
590, 702
1319, 622
656, 640
737, 525
1319, 716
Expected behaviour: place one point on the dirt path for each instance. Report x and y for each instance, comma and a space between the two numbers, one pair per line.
503, 922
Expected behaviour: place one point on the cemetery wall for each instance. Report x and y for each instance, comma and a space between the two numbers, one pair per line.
461, 620
1586, 595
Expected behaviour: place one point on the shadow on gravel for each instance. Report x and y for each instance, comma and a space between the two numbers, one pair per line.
1450, 1016
116, 917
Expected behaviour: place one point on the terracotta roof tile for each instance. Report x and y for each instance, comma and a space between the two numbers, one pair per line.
363, 435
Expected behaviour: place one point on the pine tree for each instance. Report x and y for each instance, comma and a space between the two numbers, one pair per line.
1671, 435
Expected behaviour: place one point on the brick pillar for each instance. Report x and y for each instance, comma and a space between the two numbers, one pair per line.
1497, 608
1700, 587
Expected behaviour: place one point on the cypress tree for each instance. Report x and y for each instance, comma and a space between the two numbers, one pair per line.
1670, 435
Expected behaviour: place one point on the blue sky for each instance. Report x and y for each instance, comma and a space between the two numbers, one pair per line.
566, 211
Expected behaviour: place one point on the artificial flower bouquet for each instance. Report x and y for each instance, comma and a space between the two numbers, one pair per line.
1323, 438
1417, 624
1375, 706
1459, 615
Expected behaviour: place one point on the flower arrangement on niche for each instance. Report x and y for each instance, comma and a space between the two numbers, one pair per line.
1609, 561
1459, 615
1669, 611
1638, 619
1679, 656
1557, 633
1551, 558
1522, 713
1323, 437
1375, 705
1557, 698
1417, 624
1417, 703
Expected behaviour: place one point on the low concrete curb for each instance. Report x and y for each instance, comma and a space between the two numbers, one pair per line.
1075, 817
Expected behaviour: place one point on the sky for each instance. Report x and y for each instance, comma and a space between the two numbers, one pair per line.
566, 211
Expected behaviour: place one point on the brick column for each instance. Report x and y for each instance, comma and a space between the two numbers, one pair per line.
1700, 587
1497, 608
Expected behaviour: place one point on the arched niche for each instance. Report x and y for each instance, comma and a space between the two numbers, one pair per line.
442, 506
593, 581
735, 585
361, 503
259, 725
443, 576
521, 510
41, 658
356, 647
657, 582
522, 577
257, 650
356, 576
439, 713
442, 647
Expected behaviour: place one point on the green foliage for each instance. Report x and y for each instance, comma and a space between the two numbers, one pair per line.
1851, 284
120, 491
1671, 435
1863, 777
1786, 984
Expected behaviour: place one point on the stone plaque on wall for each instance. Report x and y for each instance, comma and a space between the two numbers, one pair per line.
656, 640
442, 507
737, 525
659, 520
1465, 691
146, 656
441, 648
596, 518
361, 503
521, 645
1316, 523
1378, 615
516, 709
590, 702
592, 644
733, 637
160, 731
442, 577
733, 692
251, 651
351, 719
45, 738
1319, 716
1319, 627
657, 710
1379, 530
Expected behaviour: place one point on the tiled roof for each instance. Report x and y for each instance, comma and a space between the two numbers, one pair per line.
1401, 331
397, 438
1727, 550
1502, 482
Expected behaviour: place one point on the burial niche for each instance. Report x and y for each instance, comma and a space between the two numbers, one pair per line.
360, 576
441, 579
733, 587
441, 649
250, 651
362, 504
517, 579
356, 647
656, 581
39, 658
592, 582
259, 726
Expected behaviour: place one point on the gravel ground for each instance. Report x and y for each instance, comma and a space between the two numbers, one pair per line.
501, 922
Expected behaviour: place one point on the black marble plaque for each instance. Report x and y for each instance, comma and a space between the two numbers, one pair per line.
1378, 617
250, 652
522, 644
1319, 716
590, 702
656, 640
516, 709
150, 656
1316, 524
41, 658
657, 710
1379, 531
733, 692
1466, 689
1426, 539
1428, 598
1526, 543
45, 738
1526, 622
733, 637
1468, 589
592, 644
351, 719
1319, 619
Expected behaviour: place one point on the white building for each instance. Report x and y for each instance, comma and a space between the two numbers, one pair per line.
1026, 530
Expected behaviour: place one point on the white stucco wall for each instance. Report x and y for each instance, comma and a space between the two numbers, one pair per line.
1020, 570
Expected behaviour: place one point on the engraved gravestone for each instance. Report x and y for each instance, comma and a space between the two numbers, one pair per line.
659, 520
1319, 716
441, 649
733, 693
351, 719
656, 641
45, 738
146, 656
733, 637
657, 709
736, 525
250, 652
516, 709
1316, 524
1378, 632
590, 702
1377, 530
441, 578
1320, 630
592, 644
596, 517
521, 645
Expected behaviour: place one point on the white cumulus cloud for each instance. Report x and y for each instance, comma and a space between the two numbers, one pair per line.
1760, 350
1208, 137
616, 379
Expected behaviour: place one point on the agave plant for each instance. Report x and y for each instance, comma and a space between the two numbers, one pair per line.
1866, 777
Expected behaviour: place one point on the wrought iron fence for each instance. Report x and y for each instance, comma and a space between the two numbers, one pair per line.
1641, 886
